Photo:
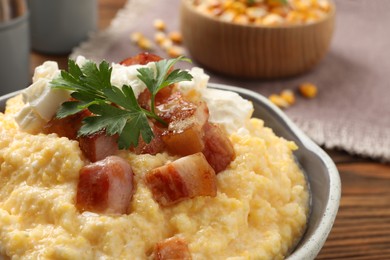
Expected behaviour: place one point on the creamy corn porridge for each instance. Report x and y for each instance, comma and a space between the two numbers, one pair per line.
259, 212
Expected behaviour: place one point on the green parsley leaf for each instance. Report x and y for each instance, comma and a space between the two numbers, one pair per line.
115, 110
70, 108
159, 79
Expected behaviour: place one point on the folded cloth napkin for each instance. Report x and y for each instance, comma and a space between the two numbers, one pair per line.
352, 109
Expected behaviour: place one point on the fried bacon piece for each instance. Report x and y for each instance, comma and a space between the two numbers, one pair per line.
172, 248
98, 146
105, 186
142, 59
66, 127
155, 146
218, 149
182, 179
161, 97
95, 147
184, 135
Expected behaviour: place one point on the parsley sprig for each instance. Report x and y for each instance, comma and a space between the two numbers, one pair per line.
115, 109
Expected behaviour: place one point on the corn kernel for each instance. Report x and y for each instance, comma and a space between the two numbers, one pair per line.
159, 24
166, 44
324, 5
302, 6
308, 90
279, 10
288, 96
176, 37
145, 44
260, 12
274, 3
238, 7
136, 36
204, 9
159, 37
241, 19
256, 12
278, 101
295, 17
214, 3
228, 4
175, 51
216, 11
272, 19
227, 16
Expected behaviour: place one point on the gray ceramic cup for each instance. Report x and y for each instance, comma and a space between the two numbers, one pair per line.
57, 26
14, 48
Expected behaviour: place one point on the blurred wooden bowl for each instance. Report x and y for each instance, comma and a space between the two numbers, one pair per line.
253, 51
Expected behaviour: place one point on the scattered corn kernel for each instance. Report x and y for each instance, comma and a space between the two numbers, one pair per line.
175, 37
278, 101
159, 24
288, 96
159, 37
136, 36
166, 44
175, 51
145, 44
308, 90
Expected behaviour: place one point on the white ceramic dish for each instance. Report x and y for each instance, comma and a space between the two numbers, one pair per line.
321, 172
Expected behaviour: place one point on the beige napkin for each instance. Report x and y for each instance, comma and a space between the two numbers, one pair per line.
352, 110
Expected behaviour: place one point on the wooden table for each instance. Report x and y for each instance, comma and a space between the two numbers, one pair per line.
362, 227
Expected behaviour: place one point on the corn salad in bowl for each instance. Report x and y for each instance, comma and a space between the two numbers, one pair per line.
265, 12
257, 39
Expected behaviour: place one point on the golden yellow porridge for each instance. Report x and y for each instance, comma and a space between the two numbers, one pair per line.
259, 211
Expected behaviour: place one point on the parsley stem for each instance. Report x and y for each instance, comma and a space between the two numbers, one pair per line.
152, 104
153, 115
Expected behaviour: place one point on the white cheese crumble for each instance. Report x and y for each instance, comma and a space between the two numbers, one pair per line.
41, 101
127, 75
226, 108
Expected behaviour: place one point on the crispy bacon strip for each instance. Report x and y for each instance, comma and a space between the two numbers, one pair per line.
172, 248
182, 179
218, 149
105, 186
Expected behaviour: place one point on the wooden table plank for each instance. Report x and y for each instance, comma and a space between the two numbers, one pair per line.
362, 226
